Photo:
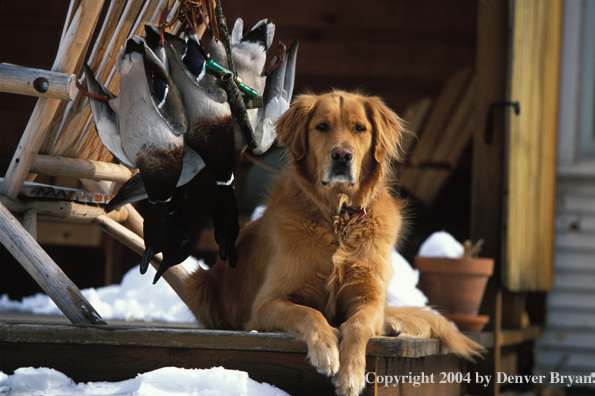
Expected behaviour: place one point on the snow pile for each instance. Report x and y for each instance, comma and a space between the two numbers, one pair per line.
164, 382
136, 298
441, 244
402, 289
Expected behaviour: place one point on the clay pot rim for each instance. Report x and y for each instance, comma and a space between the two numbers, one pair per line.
473, 323
464, 265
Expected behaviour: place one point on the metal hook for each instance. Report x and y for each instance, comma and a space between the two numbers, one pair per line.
489, 129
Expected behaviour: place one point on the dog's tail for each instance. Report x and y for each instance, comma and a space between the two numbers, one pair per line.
421, 322
201, 295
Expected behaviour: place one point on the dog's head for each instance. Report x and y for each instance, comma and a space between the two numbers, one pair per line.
340, 140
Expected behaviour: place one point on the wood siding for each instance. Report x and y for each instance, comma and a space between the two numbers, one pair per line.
568, 343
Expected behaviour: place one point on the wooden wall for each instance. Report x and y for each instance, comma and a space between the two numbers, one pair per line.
400, 50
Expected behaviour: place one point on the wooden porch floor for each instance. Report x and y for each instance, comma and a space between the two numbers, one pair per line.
121, 350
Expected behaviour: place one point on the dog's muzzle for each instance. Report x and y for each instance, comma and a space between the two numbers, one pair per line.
340, 167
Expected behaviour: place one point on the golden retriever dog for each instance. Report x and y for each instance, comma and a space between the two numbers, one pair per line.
318, 262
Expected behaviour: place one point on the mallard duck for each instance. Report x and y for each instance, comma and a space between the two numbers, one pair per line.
212, 131
144, 128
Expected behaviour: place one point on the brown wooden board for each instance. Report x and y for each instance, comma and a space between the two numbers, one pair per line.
119, 352
291, 372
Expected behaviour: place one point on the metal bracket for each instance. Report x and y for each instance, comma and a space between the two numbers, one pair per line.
489, 128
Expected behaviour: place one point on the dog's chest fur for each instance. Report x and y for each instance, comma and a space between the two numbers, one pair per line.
336, 242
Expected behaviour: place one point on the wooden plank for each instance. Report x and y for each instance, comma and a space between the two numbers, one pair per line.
431, 136
575, 281
577, 204
519, 336
80, 168
575, 222
571, 299
575, 241
68, 234
62, 210
430, 381
455, 137
531, 145
437, 16
415, 115
69, 140
574, 261
46, 273
573, 360
580, 319
74, 137
487, 161
36, 82
201, 339
291, 372
487, 175
581, 340
70, 52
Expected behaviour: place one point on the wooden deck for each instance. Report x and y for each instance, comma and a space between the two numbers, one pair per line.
121, 350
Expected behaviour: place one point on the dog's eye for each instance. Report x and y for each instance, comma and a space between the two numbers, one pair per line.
322, 127
360, 128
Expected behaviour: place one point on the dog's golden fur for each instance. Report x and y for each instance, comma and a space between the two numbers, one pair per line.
312, 265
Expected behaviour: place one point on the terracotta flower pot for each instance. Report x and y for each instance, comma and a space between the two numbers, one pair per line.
454, 286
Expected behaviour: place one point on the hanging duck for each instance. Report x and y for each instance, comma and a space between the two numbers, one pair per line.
211, 132
191, 63
144, 128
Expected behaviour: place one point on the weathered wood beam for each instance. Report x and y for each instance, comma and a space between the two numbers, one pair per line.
36, 82
81, 168
62, 210
29, 222
46, 273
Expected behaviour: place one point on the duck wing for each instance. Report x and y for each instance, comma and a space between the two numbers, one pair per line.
277, 98
164, 93
106, 118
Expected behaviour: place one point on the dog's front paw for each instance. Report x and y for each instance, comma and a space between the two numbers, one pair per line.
350, 381
323, 351
351, 378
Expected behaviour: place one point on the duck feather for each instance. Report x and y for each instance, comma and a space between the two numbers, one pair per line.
106, 119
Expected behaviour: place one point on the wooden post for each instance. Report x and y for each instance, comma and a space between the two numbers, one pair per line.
63, 210
29, 221
175, 275
80, 168
488, 159
69, 54
46, 273
36, 82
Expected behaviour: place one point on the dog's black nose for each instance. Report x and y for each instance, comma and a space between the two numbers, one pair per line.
342, 154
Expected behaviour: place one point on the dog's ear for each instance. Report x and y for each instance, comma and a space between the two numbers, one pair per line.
292, 126
388, 130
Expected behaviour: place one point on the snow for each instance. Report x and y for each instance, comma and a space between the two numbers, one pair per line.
167, 381
402, 289
136, 298
441, 244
